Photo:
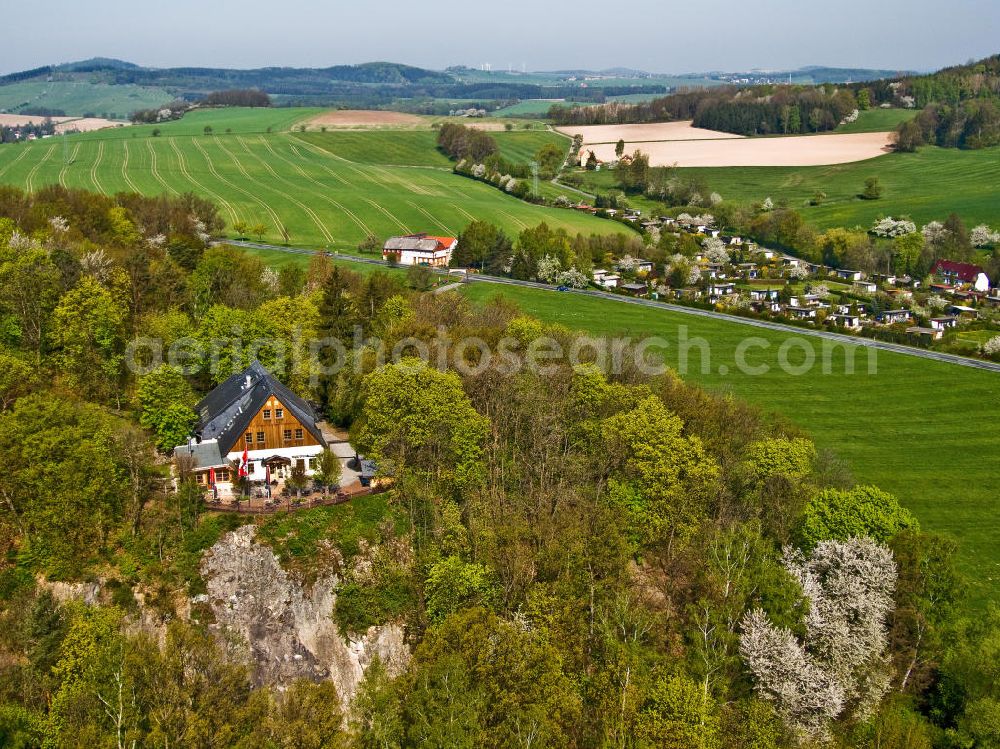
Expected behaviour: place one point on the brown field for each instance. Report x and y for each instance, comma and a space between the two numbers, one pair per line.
803, 150
654, 131
363, 118
87, 124
14, 120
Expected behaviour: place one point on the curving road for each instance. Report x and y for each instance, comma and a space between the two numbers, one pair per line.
751, 322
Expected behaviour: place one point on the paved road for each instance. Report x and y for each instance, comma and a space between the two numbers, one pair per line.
751, 322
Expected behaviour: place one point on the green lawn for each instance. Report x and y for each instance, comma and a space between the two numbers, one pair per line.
926, 431
76, 98
877, 121
329, 189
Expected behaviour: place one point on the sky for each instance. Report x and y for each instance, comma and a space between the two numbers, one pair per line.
662, 36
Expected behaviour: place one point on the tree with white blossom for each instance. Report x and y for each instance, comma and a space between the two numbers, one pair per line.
840, 667
934, 232
270, 280
982, 236
715, 198
992, 346
715, 250
548, 269
767, 205
798, 272
572, 278
891, 227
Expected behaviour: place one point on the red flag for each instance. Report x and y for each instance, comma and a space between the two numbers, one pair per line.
243, 463
211, 477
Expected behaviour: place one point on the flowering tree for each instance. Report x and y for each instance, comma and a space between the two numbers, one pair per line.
715, 198
715, 250
992, 346
572, 278
767, 205
937, 302
479, 171
890, 227
798, 272
840, 666
934, 232
270, 280
548, 269
982, 235
627, 263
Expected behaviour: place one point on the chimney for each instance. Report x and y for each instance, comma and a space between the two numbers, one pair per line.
249, 382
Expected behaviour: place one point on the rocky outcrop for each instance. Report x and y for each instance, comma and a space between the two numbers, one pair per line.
63, 592
287, 626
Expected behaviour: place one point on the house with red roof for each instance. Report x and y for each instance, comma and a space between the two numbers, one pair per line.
420, 249
956, 273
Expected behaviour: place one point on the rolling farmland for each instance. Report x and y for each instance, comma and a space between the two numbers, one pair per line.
927, 186
327, 189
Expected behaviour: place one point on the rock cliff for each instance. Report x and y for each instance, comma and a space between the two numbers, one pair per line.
287, 626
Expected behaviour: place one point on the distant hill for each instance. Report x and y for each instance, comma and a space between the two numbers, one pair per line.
116, 88
289, 80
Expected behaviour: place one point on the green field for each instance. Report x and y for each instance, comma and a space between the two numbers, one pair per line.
877, 121
926, 186
81, 97
328, 189
535, 107
924, 430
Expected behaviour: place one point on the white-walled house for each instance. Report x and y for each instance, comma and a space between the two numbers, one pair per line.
252, 412
420, 249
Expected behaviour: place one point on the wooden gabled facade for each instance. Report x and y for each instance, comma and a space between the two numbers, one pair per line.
275, 426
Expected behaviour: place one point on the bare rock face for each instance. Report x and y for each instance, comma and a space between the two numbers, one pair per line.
289, 628
89, 593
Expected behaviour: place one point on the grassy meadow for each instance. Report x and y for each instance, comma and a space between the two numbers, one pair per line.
327, 189
926, 186
76, 98
877, 121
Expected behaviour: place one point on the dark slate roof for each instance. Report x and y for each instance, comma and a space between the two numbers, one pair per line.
203, 455
225, 413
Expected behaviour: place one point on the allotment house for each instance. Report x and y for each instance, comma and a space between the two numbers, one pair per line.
251, 423
420, 249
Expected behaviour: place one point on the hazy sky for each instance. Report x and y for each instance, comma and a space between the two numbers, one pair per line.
655, 35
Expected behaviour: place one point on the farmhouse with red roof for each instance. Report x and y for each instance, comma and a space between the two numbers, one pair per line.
420, 249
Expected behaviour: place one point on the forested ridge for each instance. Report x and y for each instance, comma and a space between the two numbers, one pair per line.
958, 107
584, 557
